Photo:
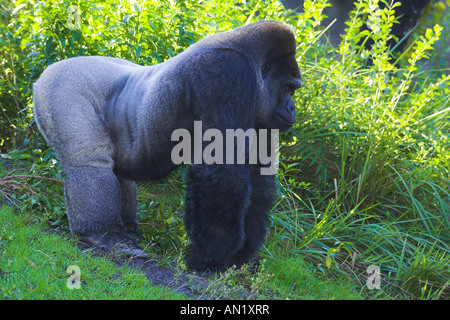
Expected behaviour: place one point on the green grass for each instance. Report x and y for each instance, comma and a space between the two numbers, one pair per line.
292, 278
414, 263
34, 262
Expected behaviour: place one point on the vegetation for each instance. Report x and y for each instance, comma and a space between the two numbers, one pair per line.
34, 265
364, 174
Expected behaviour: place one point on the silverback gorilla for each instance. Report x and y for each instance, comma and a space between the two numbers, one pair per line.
110, 121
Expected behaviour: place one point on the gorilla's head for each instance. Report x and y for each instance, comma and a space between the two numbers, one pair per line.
281, 77
269, 47
278, 75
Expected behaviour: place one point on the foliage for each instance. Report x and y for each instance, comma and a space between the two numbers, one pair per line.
364, 173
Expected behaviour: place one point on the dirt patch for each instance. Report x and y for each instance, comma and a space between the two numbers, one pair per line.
192, 286
199, 287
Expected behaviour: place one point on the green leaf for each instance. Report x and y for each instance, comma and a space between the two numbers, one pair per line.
328, 261
137, 8
125, 19
20, 6
429, 34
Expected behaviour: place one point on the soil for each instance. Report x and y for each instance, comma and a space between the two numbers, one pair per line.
197, 287
192, 286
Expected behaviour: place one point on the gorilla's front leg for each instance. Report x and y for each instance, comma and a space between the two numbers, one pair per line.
93, 198
218, 197
256, 217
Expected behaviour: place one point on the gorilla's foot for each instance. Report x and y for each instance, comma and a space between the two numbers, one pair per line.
205, 267
197, 262
115, 242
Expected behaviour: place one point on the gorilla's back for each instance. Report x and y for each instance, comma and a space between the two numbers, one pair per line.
69, 97
93, 104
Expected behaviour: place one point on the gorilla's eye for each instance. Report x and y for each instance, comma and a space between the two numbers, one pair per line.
288, 88
265, 68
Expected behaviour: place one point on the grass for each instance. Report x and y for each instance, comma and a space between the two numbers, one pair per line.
292, 278
34, 257
414, 261
34, 263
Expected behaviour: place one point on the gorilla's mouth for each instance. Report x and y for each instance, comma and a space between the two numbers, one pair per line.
284, 120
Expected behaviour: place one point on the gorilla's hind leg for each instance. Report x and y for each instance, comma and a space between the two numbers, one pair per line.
128, 192
93, 198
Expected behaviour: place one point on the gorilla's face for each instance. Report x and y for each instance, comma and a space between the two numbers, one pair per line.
281, 77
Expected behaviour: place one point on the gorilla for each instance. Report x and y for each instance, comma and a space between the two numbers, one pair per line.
110, 121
